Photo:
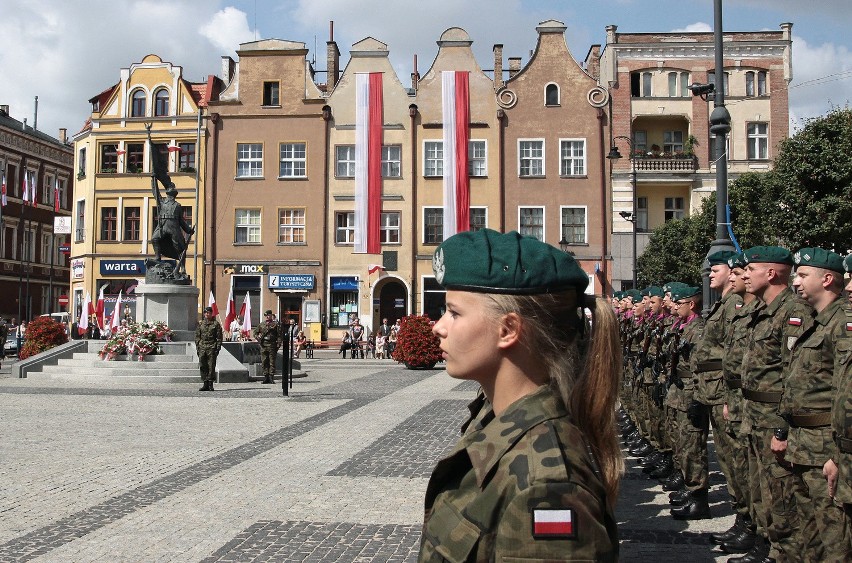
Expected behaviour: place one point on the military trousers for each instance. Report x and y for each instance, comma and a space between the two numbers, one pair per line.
267, 360
778, 490
825, 533
692, 451
738, 467
723, 444
207, 364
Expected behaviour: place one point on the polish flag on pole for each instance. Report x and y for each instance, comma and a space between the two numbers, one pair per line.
211, 302
99, 310
455, 96
56, 195
368, 161
3, 200
245, 313
83, 323
230, 312
115, 322
373, 268
26, 187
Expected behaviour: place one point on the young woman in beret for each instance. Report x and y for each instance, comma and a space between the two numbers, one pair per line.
535, 475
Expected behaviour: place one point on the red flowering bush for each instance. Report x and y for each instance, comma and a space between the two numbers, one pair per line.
43, 333
416, 346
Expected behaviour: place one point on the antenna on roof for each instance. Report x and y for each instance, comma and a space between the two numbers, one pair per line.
255, 20
314, 61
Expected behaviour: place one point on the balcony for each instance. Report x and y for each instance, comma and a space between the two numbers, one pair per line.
670, 164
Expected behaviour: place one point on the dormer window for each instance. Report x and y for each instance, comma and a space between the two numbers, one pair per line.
161, 102
137, 104
551, 95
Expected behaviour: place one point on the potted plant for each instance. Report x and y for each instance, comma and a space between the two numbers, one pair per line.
416, 346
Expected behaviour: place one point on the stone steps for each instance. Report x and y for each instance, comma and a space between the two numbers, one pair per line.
150, 362
132, 372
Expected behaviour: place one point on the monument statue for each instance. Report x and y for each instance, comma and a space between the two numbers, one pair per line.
172, 233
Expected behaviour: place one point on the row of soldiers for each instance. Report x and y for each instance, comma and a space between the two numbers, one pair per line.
768, 369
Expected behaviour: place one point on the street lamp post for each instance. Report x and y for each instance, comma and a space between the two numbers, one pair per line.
634, 216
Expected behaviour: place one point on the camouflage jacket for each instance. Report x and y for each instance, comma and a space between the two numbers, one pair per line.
268, 334
707, 356
841, 412
736, 342
208, 335
773, 329
492, 497
690, 331
808, 385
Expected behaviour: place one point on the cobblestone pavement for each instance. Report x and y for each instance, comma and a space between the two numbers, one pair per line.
336, 472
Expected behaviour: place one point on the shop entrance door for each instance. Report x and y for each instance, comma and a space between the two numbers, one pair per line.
393, 302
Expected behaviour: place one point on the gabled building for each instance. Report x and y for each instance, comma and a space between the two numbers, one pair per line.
670, 146
114, 209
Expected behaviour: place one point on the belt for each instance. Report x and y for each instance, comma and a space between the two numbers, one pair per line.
811, 420
844, 444
734, 383
762, 396
708, 366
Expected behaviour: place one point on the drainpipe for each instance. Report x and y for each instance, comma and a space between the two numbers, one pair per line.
326, 116
412, 113
501, 168
604, 222
212, 189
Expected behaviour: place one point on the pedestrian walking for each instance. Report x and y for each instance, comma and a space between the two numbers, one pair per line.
208, 342
536, 472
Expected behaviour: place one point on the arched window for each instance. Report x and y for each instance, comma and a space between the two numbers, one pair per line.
551, 95
161, 102
137, 107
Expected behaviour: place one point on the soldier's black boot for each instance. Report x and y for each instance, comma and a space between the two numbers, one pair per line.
643, 449
664, 469
740, 524
679, 498
674, 482
696, 508
205, 387
267, 380
650, 462
743, 542
210, 385
758, 553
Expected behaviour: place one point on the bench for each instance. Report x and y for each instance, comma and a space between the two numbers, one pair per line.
316, 344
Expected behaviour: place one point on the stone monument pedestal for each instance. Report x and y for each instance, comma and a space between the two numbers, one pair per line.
176, 305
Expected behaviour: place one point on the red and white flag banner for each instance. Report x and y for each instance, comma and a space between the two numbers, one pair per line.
368, 161
245, 313
211, 302
26, 187
99, 310
455, 95
230, 310
3, 201
85, 311
115, 322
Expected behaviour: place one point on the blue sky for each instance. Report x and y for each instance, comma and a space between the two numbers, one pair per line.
66, 52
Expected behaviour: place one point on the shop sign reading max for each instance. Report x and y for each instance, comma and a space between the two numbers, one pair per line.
245, 269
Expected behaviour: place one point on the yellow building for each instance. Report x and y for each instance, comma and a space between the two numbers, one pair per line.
114, 212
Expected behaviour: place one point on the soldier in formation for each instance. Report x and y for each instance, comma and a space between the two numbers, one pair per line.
268, 335
767, 370
208, 342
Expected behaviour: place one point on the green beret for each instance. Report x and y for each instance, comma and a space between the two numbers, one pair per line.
491, 262
768, 255
847, 263
208, 309
644, 292
737, 261
819, 258
268, 312
635, 295
671, 286
655, 291
684, 291
721, 257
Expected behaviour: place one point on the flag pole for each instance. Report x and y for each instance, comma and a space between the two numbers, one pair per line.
21, 229
53, 244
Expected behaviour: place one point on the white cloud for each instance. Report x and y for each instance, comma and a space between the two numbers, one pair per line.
227, 29
822, 79
694, 27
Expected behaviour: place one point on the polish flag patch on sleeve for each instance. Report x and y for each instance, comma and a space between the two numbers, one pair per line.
554, 523
794, 321
848, 326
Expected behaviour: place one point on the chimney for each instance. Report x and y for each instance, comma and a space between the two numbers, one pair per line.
332, 59
4, 109
228, 66
593, 62
514, 66
498, 66
415, 76
63, 135
24, 124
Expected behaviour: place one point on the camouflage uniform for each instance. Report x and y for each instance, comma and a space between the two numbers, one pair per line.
208, 342
841, 423
806, 404
268, 334
508, 472
772, 335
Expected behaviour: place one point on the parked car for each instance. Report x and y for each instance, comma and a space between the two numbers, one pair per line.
11, 347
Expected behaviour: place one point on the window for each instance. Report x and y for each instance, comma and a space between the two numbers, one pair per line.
531, 158
433, 225
161, 102
674, 208
80, 223
477, 164
711, 78
270, 94
63, 194
81, 163
47, 190
758, 141
132, 223
344, 161
186, 161
134, 155
761, 83
433, 160
672, 141
247, 226
640, 141
749, 76
531, 222
29, 245
345, 228
163, 150
389, 229
434, 298
755, 83
551, 95
109, 222
572, 155
478, 218
249, 160
574, 225
391, 161
137, 107
46, 245
109, 158
293, 161
678, 84
646, 84
642, 214
291, 226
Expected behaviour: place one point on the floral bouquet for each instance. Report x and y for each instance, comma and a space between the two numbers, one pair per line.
136, 338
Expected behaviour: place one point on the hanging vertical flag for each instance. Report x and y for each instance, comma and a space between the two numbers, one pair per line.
455, 96
33, 187
115, 322
99, 310
245, 313
368, 162
230, 313
211, 302
56, 194
3, 201
85, 312
26, 187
